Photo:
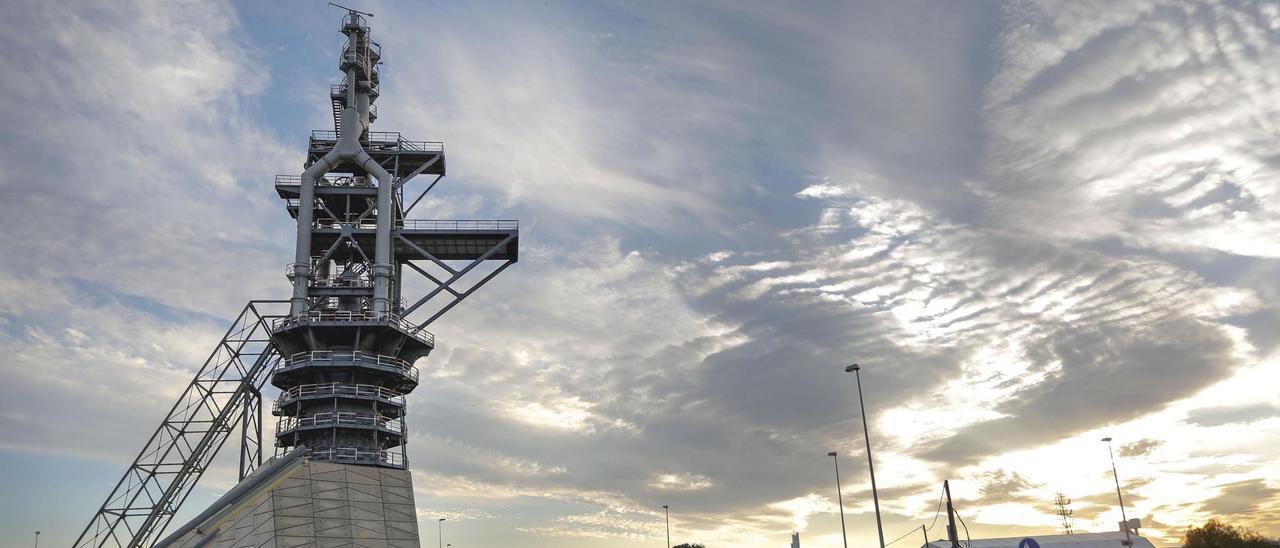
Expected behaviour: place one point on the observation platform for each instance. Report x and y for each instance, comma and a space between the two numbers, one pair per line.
392, 430
379, 334
393, 152
354, 455
446, 240
391, 401
349, 196
300, 365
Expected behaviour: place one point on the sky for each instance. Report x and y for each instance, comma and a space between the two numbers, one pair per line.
1033, 224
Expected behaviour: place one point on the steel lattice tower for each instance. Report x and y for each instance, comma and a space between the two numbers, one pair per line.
343, 354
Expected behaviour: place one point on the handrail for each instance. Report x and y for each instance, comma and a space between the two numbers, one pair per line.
338, 280
324, 135
339, 90
375, 141
354, 181
327, 358
340, 418
352, 316
339, 389
353, 454
330, 280
459, 225
353, 19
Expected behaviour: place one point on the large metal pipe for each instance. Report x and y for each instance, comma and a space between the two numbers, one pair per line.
382, 243
306, 210
355, 121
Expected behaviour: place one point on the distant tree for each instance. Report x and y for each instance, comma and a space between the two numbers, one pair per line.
687, 545
1216, 534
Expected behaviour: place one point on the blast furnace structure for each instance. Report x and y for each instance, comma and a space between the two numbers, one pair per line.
342, 352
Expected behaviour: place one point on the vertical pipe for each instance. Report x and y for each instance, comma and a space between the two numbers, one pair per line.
382, 242
302, 254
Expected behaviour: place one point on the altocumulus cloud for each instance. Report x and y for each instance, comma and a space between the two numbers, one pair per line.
1030, 223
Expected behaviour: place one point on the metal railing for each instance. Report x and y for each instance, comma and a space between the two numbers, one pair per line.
346, 180
341, 418
355, 20
318, 316
458, 225
380, 141
291, 270
339, 91
331, 280
339, 280
354, 53
352, 454
337, 389
356, 358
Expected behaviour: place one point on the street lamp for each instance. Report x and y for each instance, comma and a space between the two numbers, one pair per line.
37, 539
840, 497
1127, 541
440, 533
866, 434
666, 510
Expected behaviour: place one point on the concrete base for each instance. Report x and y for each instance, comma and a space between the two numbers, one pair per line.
316, 504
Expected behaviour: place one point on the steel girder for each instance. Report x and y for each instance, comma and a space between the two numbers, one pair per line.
223, 395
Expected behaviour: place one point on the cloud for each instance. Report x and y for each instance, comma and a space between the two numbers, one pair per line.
1241, 497
680, 482
1217, 416
1147, 125
1140, 447
1025, 222
1001, 486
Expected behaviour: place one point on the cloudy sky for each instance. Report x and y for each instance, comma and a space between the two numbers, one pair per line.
1033, 224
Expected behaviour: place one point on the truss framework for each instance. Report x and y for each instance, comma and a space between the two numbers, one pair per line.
220, 398
352, 272
455, 275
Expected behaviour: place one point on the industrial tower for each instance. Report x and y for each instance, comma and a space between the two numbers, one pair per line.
342, 353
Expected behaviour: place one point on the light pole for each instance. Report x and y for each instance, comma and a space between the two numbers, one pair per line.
1127, 541
37, 539
440, 533
666, 510
839, 497
866, 435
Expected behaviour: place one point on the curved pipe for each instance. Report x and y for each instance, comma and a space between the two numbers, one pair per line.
306, 211
355, 121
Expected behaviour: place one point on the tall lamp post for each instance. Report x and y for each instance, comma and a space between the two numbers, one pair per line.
1127, 541
440, 533
667, 511
839, 497
37, 539
866, 435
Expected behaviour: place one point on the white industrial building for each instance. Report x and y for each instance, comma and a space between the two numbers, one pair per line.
1079, 540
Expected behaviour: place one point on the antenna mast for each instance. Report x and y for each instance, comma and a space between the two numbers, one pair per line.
1063, 509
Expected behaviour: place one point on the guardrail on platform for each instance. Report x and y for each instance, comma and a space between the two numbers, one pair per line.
333, 358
